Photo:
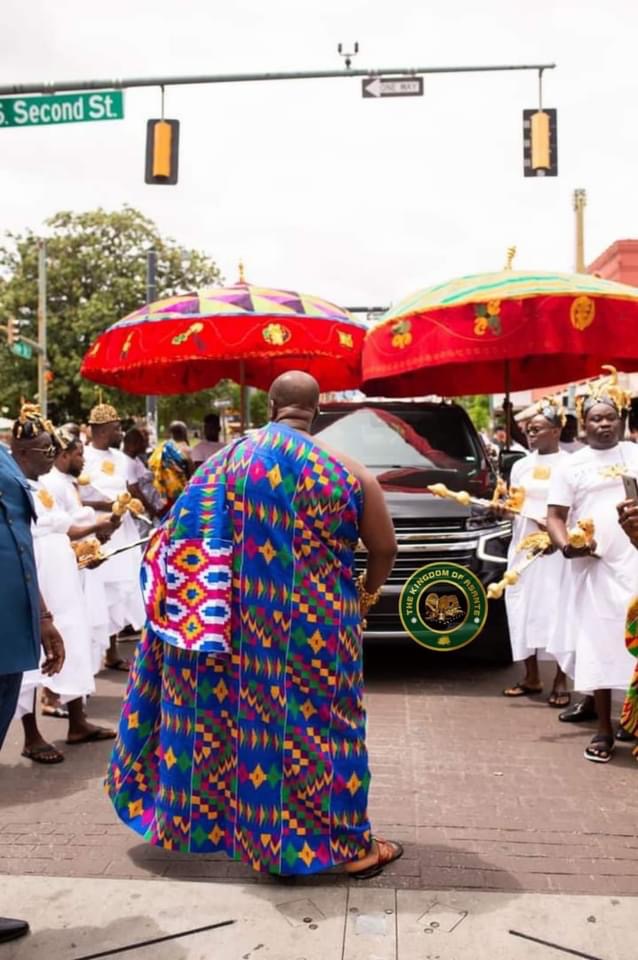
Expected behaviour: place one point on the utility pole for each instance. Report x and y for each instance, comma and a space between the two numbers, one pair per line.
151, 295
580, 202
42, 326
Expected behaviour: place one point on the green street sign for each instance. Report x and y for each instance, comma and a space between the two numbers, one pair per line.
64, 108
22, 349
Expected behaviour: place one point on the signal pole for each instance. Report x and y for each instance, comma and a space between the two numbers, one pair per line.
42, 326
151, 295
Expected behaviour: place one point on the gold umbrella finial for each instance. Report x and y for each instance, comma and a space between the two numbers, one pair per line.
242, 277
511, 253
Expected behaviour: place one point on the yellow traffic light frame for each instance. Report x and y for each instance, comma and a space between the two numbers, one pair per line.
162, 151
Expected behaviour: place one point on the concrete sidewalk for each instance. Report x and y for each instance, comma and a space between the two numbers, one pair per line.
72, 918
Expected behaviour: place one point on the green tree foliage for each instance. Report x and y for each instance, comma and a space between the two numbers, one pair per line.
478, 408
96, 275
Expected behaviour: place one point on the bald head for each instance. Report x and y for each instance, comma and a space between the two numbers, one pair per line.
178, 431
294, 395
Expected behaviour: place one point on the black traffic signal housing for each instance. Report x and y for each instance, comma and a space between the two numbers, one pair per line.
540, 143
162, 151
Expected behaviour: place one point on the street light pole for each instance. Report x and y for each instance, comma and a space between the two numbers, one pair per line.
151, 295
42, 326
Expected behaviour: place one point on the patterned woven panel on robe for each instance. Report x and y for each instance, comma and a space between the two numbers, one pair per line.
186, 577
172, 773
629, 715
273, 746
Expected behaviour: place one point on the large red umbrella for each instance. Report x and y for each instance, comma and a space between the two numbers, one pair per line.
246, 333
504, 331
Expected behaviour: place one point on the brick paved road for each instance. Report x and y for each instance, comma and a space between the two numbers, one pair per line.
487, 793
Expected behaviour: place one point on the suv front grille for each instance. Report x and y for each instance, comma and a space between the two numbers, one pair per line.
408, 563
408, 526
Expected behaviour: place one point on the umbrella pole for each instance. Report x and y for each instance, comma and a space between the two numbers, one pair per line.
242, 396
508, 422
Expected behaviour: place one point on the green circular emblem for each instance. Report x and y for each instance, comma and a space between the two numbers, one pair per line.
443, 606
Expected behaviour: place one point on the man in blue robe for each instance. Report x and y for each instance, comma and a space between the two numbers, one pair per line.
27, 623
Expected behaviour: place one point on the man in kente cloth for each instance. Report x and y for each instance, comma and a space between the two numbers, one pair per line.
260, 751
628, 518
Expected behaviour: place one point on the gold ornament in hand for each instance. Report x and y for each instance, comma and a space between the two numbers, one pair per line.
440, 490
535, 543
366, 600
87, 551
581, 535
513, 503
496, 590
515, 499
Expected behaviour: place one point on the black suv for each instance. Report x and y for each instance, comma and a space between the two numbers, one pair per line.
409, 444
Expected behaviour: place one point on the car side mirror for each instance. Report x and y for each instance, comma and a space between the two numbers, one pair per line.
506, 460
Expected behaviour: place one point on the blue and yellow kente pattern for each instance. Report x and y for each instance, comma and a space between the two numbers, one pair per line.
260, 753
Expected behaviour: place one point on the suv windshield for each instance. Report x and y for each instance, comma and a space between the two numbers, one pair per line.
406, 446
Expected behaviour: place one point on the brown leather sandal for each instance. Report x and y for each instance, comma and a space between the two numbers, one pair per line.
387, 852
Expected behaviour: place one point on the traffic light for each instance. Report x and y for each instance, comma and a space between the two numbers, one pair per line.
162, 151
49, 376
540, 143
13, 331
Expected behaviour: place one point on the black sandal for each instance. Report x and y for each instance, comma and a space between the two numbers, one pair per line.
522, 690
602, 754
43, 753
559, 699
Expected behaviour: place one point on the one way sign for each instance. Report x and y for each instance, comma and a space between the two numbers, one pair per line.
392, 87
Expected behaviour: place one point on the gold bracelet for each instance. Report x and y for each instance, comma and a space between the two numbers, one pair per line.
366, 600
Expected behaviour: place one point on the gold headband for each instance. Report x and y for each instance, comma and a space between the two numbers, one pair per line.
30, 423
552, 409
604, 390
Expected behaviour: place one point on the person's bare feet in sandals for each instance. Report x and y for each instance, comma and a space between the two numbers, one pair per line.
114, 660
36, 747
50, 705
39, 751
559, 699
382, 853
90, 733
601, 748
80, 730
523, 689
121, 664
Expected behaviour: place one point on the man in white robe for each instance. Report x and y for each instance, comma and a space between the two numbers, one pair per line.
106, 468
589, 486
59, 580
62, 483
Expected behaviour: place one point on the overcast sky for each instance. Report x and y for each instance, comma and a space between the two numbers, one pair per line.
359, 201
